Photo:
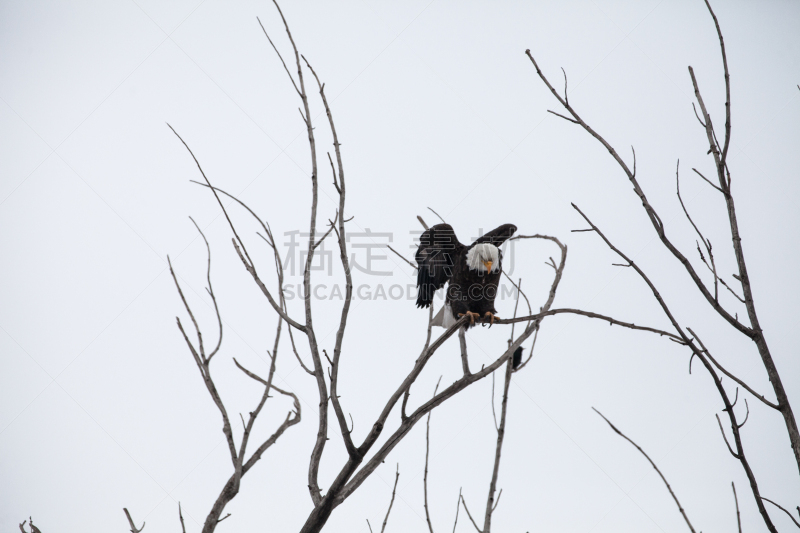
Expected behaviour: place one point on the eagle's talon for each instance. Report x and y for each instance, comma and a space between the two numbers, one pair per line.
472, 316
490, 317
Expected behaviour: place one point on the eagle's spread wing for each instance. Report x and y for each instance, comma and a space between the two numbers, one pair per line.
438, 250
498, 235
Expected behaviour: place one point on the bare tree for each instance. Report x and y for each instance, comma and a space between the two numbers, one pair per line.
364, 457
238, 452
687, 336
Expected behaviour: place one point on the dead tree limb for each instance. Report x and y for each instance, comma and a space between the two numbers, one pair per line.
491, 505
180, 515
427, 455
773, 503
391, 502
134, 529
666, 483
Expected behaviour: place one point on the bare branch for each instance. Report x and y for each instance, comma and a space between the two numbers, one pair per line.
464, 502
407, 393
610, 320
698, 117
412, 265
736, 455
491, 505
437, 214
494, 414
391, 502
649, 210
210, 290
516, 303
779, 507
706, 179
746, 416
706, 242
180, 515
458, 508
562, 116
530, 353
213, 190
462, 341
351, 449
281, 58
249, 266
427, 454
734, 378
724, 155
738, 515
618, 432
127, 514
316, 245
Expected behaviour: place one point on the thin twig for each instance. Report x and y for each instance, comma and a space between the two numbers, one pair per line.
776, 505
464, 502
494, 414
458, 508
491, 504
130, 521
462, 341
734, 378
725, 438
738, 515
621, 434
412, 265
437, 214
391, 502
705, 241
427, 454
180, 515
706, 179
280, 57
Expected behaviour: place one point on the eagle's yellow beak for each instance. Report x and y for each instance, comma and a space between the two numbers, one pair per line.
488, 265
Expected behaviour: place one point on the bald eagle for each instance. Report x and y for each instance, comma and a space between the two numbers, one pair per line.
473, 273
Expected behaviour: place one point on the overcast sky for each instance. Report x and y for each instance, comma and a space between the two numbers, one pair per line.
436, 105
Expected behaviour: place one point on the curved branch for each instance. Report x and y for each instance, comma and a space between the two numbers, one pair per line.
621, 434
765, 499
134, 529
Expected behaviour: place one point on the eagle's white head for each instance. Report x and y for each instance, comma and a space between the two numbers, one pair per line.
484, 257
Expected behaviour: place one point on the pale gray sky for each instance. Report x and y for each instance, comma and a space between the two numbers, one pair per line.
101, 406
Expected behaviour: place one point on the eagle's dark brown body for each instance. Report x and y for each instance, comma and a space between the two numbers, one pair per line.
477, 294
472, 288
